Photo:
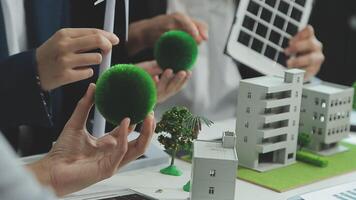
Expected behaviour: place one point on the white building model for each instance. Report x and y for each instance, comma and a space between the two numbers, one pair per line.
325, 115
267, 120
214, 169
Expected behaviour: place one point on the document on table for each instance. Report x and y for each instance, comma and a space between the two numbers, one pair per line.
341, 192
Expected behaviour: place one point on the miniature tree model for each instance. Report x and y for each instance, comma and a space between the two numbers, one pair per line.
303, 140
178, 128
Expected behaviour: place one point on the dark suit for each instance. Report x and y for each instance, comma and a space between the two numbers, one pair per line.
21, 102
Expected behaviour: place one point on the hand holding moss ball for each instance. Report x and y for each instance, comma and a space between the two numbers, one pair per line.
176, 50
125, 91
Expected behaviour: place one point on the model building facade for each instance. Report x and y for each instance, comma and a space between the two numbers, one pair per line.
214, 169
325, 115
267, 120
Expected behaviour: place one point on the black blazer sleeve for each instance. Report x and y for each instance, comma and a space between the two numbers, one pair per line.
21, 100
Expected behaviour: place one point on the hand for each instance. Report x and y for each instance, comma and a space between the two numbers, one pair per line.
78, 160
308, 51
168, 84
144, 34
63, 59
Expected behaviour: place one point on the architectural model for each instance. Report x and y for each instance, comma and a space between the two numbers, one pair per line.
267, 120
214, 169
325, 115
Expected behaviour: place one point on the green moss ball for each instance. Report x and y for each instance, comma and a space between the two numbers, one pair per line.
176, 50
125, 90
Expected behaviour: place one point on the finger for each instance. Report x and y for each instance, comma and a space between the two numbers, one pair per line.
79, 117
91, 42
150, 67
137, 147
156, 80
186, 24
165, 78
303, 46
305, 33
82, 60
79, 74
203, 29
80, 32
176, 83
306, 60
123, 128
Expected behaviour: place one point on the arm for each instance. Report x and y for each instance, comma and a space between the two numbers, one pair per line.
22, 100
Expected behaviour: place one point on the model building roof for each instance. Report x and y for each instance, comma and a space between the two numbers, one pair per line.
213, 150
326, 88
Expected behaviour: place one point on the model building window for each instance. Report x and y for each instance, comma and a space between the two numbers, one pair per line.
293, 122
322, 118
332, 103
295, 108
316, 101
290, 156
313, 130
349, 100
248, 110
315, 116
246, 125
211, 190
320, 131
212, 173
298, 79
245, 139
323, 103
296, 94
249, 95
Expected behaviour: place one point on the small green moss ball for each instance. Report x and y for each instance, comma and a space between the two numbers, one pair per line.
176, 50
125, 90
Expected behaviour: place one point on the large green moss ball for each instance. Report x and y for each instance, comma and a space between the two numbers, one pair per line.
125, 90
176, 50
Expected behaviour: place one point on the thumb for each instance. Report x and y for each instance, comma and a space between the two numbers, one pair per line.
79, 117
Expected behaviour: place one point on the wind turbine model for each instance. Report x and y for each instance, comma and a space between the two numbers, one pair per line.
99, 121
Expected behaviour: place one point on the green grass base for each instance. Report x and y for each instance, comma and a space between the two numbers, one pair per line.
186, 187
299, 174
172, 171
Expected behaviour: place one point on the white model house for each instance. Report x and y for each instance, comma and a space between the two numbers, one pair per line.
267, 120
325, 115
214, 169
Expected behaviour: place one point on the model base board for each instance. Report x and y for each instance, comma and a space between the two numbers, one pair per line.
299, 174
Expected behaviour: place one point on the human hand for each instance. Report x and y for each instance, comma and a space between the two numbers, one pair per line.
308, 51
64, 58
168, 84
144, 34
78, 159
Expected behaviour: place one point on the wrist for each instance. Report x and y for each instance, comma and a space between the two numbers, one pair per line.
41, 171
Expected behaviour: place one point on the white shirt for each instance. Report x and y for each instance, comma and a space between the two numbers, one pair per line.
212, 90
15, 25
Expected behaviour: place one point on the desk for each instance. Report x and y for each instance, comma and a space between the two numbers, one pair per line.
149, 180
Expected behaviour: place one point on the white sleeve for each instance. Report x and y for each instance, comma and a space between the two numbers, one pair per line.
16, 183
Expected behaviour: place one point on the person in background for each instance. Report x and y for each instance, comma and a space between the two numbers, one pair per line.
76, 161
212, 90
40, 59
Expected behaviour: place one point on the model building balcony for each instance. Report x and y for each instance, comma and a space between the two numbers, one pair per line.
271, 103
269, 147
271, 132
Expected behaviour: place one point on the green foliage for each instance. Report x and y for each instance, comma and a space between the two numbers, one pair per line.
125, 90
304, 140
186, 187
176, 50
178, 128
174, 135
312, 159
354, 104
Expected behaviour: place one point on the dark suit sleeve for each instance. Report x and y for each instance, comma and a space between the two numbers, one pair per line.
22, 101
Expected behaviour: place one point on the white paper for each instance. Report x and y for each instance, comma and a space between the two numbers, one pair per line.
341, 192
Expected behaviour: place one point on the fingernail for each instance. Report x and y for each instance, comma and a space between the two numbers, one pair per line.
116, 39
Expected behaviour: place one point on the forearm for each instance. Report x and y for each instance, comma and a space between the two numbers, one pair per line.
21, 101
137, 37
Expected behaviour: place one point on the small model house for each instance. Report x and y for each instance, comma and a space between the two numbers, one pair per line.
214, 169
267, 120
325, 115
